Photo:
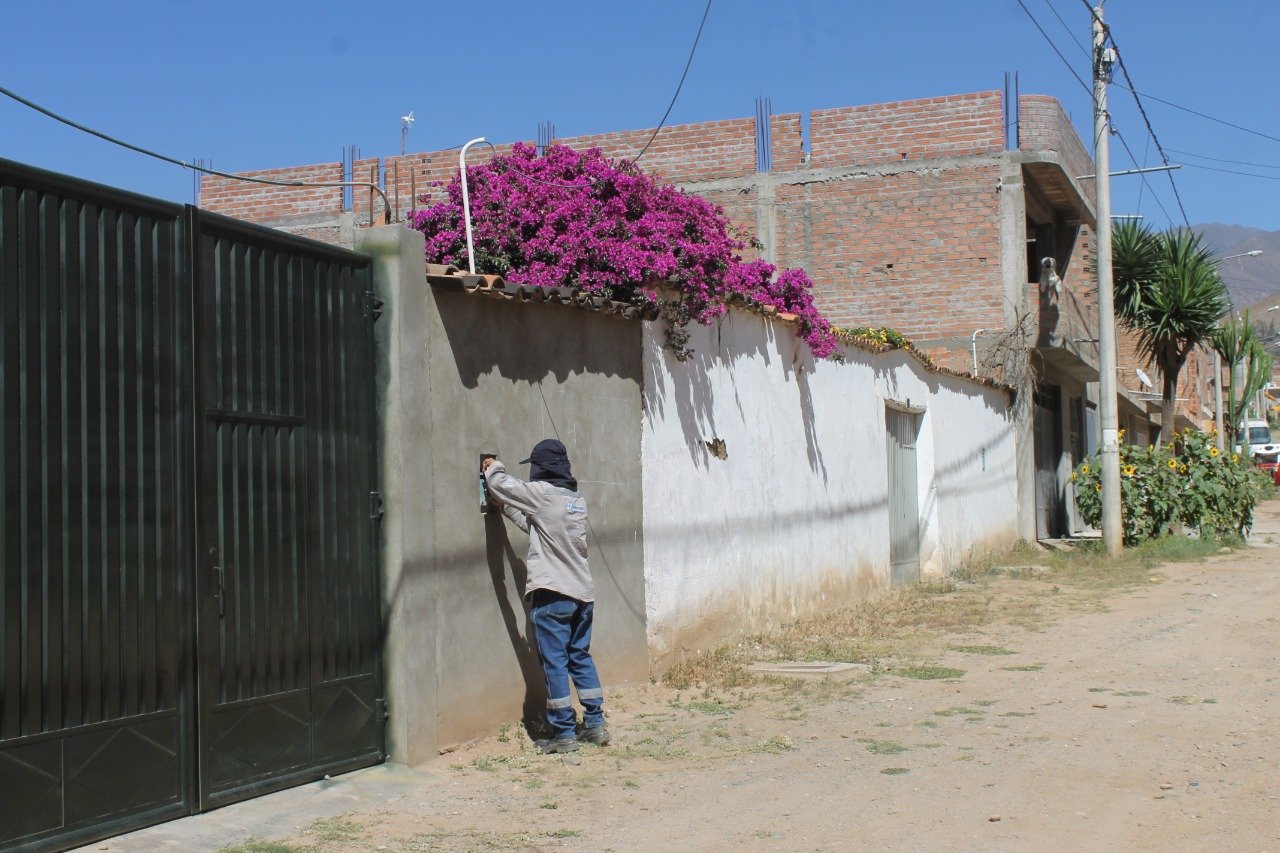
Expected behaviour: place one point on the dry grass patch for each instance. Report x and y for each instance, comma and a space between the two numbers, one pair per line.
477, 839
884, 747
892, 629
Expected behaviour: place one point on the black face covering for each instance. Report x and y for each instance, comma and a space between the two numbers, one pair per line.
549, 462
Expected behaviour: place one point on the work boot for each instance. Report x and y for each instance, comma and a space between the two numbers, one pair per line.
558, 745
598, 735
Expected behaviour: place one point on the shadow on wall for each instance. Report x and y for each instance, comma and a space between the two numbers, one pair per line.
800, 363
538, 341
731, 340
500, 555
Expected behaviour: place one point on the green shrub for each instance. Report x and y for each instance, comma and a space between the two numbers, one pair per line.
1219, 490
1206, 490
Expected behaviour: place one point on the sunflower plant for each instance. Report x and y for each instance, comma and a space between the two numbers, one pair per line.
1198, 486
1148, 492
1219, 490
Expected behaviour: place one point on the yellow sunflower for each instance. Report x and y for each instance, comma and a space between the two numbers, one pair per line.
1213, 451
1120, 435
1182, 469
1129, 470
1084, 469
1235, 457
1173, 464
1098, 487
1073, 476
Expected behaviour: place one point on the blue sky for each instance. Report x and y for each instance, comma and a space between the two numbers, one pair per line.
270, 83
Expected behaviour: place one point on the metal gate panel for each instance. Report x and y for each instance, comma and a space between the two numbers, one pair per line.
904, 507
95, 696
167, 525
347, 715
290, 610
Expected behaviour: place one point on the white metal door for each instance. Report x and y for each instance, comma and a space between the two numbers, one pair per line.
904, 504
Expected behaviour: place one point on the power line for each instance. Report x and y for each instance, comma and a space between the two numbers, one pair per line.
1125, 144
1141, 109
1146, 152
1070, 31
1054, 45
1088, 89
1232, 172
680, 85
184, 164
661, 124
1193, 112
1221, 160
1151, 130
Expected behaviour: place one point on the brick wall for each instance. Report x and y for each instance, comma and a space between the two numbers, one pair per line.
918, 250
429, 173
276, 205
952, 126
1044, 126
1194, 394
683, 153
786, 144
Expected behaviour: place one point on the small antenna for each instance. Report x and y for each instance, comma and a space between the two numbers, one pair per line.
406, 122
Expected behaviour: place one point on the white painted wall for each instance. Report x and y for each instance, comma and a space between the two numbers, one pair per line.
796, 518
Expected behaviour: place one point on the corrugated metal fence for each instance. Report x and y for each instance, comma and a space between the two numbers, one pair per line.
188, 597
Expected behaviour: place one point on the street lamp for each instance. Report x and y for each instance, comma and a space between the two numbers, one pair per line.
1252, 254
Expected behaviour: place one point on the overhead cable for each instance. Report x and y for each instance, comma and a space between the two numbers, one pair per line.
1222, 160
1133, 90
1125, 144
1151, 130
1232, 171
183, 163
1054, 45
680, 85
1221, 121
1070, 32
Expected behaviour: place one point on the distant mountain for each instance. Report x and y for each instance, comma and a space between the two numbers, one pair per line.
1248, 279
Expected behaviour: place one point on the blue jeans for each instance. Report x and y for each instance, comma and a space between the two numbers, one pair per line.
562, 627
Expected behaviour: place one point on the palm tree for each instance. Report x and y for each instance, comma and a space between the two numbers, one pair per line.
1168, 291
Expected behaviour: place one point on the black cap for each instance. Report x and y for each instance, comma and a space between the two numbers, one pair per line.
548, 450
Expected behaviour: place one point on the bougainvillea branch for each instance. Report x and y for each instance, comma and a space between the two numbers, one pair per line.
578, 219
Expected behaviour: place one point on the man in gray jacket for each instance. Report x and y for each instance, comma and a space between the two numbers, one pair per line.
559, 590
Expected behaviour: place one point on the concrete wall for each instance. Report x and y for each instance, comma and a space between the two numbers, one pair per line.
794, 519
502, 376
460, 375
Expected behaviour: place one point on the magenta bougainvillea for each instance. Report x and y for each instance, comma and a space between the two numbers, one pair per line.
570, 218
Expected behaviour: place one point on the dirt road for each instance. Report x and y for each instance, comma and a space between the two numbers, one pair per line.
1068, 717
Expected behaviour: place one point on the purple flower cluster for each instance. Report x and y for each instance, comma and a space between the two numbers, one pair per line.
578, 219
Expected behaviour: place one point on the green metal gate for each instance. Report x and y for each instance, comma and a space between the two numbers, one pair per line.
289, 619
188, 593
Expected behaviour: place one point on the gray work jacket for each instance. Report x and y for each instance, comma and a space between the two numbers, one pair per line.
556, 521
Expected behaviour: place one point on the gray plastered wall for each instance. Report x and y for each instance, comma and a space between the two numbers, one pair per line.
464, 375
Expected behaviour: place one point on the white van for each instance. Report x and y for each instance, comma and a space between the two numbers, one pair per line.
1256, 436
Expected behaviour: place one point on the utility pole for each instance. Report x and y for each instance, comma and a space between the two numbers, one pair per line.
1103, 58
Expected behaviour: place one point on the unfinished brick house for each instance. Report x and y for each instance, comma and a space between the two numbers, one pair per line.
964, 222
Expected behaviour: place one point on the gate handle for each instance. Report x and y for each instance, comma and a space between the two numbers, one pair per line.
218, 593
